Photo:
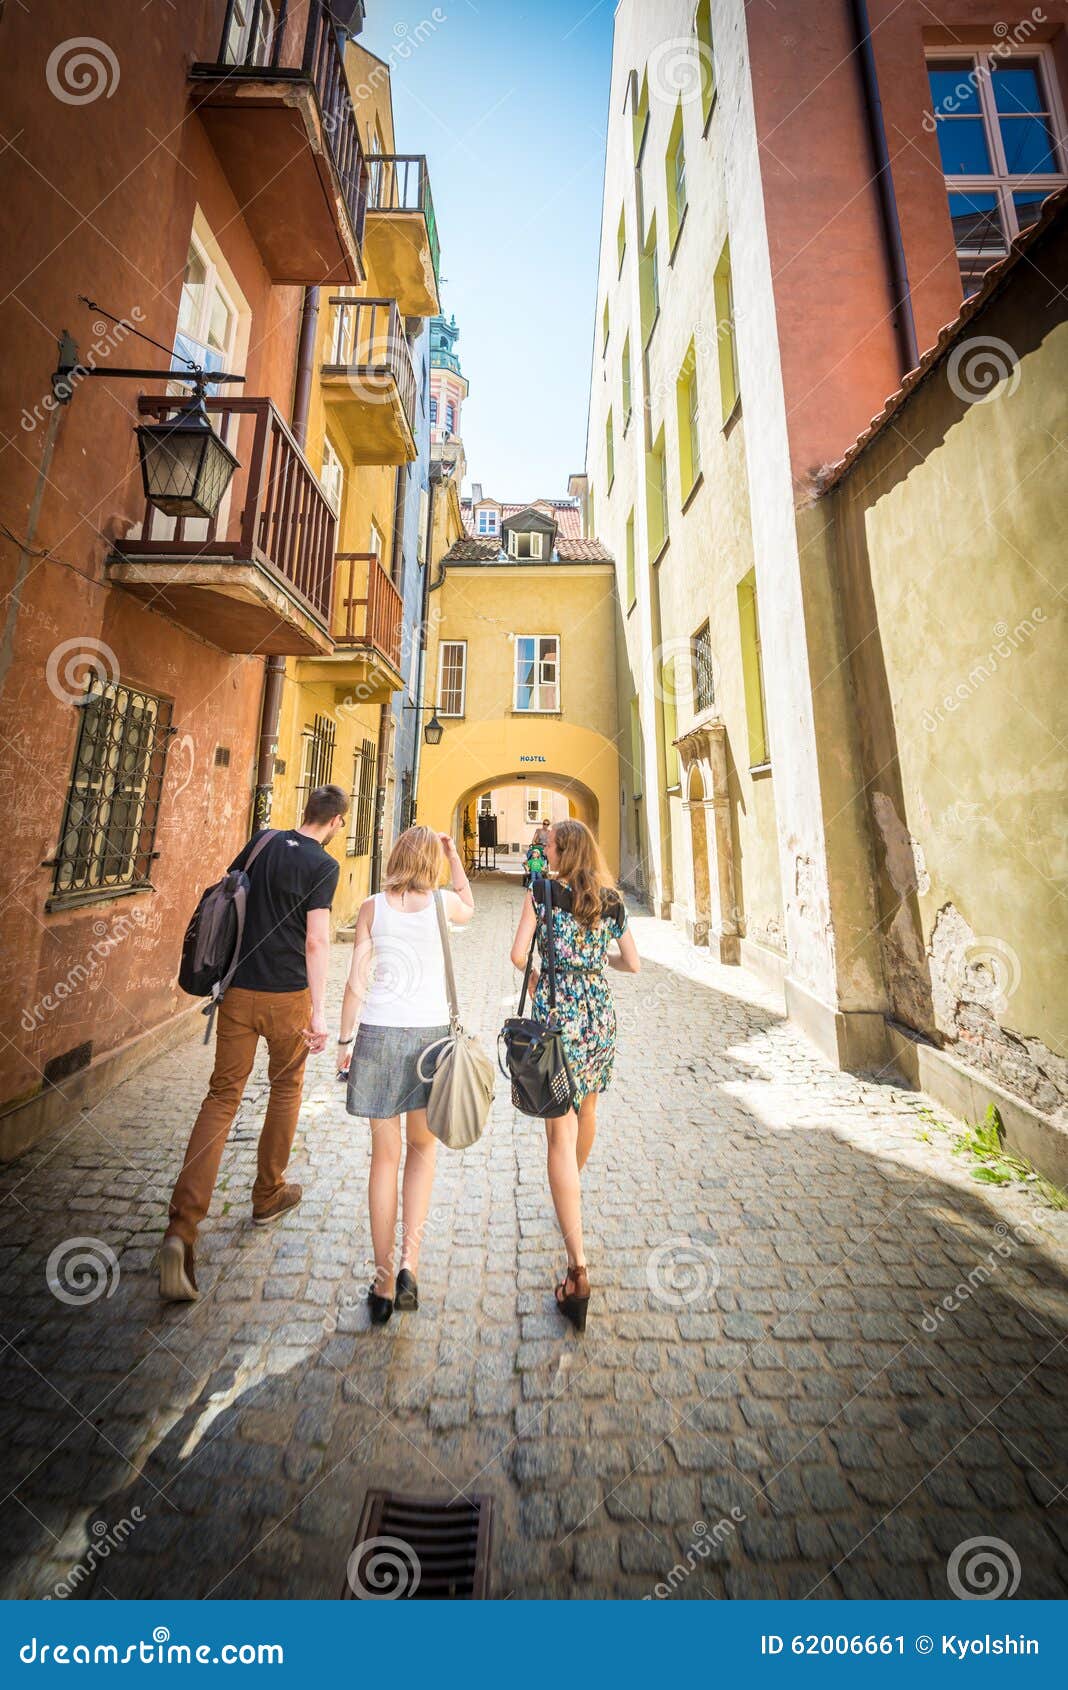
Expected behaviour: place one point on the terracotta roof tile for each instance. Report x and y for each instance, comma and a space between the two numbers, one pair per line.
566, 512
1053, 208
488, 550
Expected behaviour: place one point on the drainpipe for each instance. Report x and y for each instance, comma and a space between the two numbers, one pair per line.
904, 321
385, 711
417, 759
275, 672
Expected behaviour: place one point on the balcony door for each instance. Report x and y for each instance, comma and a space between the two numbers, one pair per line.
213, 331
250, 37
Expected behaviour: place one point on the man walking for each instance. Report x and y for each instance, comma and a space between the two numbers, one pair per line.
278, 993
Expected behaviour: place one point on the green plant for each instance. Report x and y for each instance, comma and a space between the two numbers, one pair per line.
994, 1164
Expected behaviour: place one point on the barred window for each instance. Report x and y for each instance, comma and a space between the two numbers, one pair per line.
317, 760
452, 677
109, 823
704, 689
362, 808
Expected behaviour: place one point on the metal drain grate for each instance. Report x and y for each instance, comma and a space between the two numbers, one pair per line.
418, 1547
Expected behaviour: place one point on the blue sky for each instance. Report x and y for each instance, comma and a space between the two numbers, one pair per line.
509, 101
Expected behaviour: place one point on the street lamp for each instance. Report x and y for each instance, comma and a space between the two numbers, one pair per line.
185, 466
433, 731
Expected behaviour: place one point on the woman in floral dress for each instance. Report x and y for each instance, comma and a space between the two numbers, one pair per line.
588, 915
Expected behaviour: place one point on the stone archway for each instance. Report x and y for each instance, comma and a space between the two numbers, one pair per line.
582, 801
703, 752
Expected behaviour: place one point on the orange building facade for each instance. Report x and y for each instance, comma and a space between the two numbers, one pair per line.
191, 178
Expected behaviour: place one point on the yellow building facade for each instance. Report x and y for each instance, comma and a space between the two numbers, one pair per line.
521, 672
366, 424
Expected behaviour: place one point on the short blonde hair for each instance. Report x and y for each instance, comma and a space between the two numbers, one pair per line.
416, 862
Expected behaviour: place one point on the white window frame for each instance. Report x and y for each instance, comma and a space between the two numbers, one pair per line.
376, 544
236, 43
460, 645
535, 803
214, 285
487, 522
450, 416
999, 182
535, 540
538, 708
332, 476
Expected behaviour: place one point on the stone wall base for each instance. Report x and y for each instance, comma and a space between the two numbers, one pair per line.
967, 1092
852, 1038
58, 1106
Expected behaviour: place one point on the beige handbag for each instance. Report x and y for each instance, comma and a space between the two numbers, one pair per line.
460, 1073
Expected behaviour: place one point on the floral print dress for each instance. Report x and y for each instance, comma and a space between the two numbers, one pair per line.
587, 1016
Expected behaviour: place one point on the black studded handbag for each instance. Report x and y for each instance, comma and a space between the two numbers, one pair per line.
534, 1058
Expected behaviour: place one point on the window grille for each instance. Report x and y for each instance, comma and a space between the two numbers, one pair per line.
112, 810
361, 811
317, 759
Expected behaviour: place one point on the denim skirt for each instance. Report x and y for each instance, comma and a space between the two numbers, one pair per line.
383, 1077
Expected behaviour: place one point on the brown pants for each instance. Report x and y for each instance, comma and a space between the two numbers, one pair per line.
244, 1018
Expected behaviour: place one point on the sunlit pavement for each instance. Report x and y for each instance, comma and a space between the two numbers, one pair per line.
820, 1359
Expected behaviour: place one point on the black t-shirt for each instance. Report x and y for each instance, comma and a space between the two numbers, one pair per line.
291, 875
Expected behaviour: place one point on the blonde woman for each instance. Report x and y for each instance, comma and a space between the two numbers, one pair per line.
396, 994
588, 915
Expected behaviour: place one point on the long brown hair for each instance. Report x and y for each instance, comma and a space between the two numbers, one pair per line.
580, 863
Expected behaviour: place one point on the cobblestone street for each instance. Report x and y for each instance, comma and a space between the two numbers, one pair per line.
769, 1398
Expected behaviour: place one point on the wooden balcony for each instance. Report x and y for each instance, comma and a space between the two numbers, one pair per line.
368, 380
276, 105
367, 626
259, 576
401, 238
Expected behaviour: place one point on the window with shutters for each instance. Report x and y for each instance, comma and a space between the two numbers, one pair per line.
107, 842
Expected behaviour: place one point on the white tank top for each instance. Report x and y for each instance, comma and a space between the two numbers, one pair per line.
407, 986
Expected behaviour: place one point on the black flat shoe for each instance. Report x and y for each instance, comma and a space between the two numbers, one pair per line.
406, 1295
381, 1307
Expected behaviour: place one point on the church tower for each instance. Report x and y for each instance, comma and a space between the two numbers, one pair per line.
448, 390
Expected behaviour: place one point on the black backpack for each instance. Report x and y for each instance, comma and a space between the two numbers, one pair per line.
211, 949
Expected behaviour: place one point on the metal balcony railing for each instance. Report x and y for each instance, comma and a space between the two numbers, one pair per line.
261, 40
274, 514
367, 340
398, 182
369, 610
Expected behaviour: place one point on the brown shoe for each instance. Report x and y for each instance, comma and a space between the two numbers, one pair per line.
288, 1198
177, 1279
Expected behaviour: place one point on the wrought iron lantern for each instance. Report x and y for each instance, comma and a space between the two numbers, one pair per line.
185, 466
433, 731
